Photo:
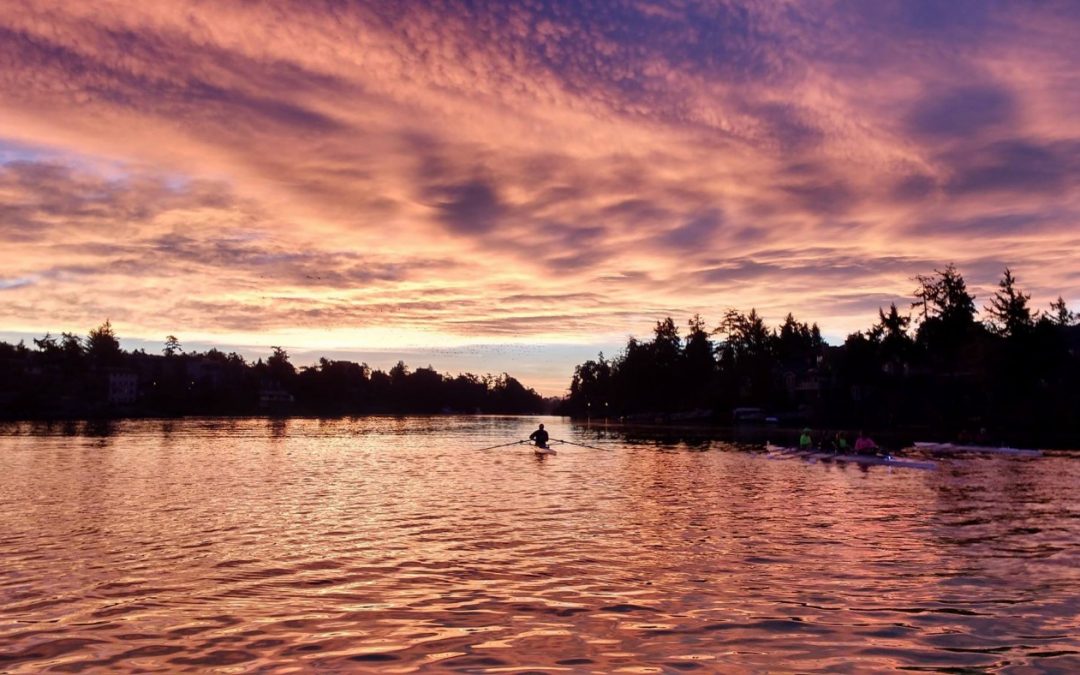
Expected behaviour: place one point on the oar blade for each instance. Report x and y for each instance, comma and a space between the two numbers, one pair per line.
504, 445
580, 445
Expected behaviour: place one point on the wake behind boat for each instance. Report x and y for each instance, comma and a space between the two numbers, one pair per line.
952, 448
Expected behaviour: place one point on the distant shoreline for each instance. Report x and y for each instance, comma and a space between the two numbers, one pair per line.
689, 433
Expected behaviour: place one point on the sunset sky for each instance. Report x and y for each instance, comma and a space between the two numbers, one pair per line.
513, 186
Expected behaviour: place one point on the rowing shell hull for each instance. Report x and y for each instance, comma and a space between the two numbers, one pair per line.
865, 460
870, 460
544, 451
946, 448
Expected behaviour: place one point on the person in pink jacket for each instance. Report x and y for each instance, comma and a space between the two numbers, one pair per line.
864, 445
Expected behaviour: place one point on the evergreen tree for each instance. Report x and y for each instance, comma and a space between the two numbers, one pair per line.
944, 295
746, 335
279, 367
1060, 314
73, 352
796, 344
746, 356
591, 385
102, 345
47, 345
1008, 309
666, 345
947, 311
890, 333
699, 363
172, 346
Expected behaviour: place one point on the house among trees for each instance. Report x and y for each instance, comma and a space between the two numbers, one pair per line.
123, 387
274, 397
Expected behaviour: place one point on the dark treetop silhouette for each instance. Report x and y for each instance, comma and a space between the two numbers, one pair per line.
73, 377
1016, 375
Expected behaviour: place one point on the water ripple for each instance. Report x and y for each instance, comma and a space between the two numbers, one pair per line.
391, 544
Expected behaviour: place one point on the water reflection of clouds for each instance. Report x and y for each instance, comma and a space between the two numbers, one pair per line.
330, 544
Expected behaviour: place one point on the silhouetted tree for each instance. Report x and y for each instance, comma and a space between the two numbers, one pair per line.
890, 333
216, 383
666, 343
467, 393
746, 356
1060, 314
102, 345
1008, 308
509, 395
951, 375
591, 385
47, 345
698, 364
172, 346
73, 359
72, 344
399, 373
633, 372
947, 311
664, 365
944, 295
796, 344
745, 335
279, 367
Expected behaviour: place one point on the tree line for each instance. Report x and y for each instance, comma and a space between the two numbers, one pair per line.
942, 367
71, 376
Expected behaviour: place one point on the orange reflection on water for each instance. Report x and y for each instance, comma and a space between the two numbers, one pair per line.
393, 544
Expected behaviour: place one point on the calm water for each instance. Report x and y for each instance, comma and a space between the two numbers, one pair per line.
394, 544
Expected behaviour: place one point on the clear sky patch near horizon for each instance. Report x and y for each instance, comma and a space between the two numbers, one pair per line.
489, 186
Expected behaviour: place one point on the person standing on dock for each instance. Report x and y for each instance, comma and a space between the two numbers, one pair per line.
540, 437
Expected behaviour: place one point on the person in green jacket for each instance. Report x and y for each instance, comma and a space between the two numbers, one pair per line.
840, 444
805, 441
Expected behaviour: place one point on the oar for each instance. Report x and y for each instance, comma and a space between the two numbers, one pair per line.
503, 445
580, 445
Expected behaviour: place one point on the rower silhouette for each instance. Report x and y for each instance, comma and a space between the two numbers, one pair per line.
540, 437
